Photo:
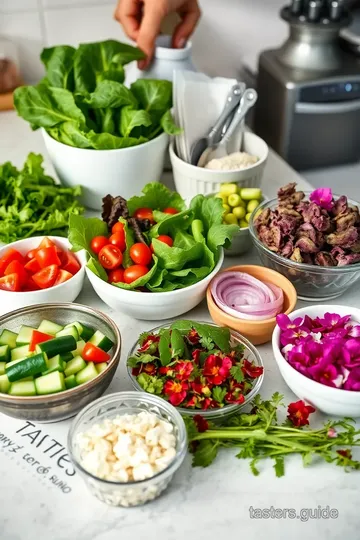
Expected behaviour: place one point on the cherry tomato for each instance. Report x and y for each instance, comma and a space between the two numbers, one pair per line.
46, 277
10, 283
47, 256
31, 286
170, 210
118, 227
70, 263
118, 239
15, 267
134, 272
144, 213
140, 254
92, 353
116, 276
98, 242
110, 257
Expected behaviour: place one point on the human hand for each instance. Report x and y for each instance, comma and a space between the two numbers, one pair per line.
141, 20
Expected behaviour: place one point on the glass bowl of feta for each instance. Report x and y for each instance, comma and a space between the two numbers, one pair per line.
127, 447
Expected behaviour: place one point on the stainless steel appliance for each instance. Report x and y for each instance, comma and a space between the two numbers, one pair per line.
308, 107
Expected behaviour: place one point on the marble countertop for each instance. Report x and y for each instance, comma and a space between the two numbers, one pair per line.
40, 497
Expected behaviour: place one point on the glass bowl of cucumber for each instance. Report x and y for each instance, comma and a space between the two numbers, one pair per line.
239, 203
55, 359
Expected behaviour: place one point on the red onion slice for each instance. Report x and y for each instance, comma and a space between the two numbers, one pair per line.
246, 297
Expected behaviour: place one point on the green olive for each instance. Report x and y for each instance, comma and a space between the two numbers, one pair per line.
247, 217
243, 224
239, 212
252, 205
230, 219
248, 194
222, 197
234, 200
226, 208
228, 189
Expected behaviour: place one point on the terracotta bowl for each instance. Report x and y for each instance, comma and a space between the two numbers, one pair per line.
257, 332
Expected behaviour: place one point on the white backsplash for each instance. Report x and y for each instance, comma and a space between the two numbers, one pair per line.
231, 32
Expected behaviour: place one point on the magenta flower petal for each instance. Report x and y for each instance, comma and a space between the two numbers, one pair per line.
353, 346
330, 321
353, 380
355, 331
323, 197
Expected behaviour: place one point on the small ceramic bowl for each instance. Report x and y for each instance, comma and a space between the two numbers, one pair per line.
65, 292
329, 400
257, 332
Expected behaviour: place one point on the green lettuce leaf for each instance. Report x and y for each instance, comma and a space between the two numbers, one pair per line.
167, 122
155, 96
82, 230
70, 134
59, 63
156, 196
130, 119
106, 141
110, 94
175, 258
45, 106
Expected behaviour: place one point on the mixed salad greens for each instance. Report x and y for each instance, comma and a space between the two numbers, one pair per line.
194, 236
83, 102
32, 204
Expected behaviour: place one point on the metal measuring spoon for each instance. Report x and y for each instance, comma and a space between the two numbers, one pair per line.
214, 135
219, 150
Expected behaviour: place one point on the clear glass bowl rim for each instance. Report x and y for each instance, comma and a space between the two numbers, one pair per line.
287, 262
146, 398
209, 413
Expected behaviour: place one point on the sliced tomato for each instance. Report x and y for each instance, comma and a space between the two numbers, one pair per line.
170, 210
47, 256
116, 276
31, 286
118, 227
63, 276
46, 242
144, 213
46, 277
32, 266
30, 254
38, 337
9, 256
70, 263
134, 272
15, 267
91, 353
118, 239
110, 257
98, 242
10, 282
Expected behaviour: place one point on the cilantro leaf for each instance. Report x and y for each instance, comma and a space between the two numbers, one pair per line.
237, 373
133, 361
219, 394
150, 383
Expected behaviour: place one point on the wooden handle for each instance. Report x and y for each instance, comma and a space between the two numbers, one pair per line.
6, 102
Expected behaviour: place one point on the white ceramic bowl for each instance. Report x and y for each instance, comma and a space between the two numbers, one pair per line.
150, 306
123, 171
331, 401
191, 180
65, 292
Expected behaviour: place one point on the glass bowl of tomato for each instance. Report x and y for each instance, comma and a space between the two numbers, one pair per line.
39, 270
